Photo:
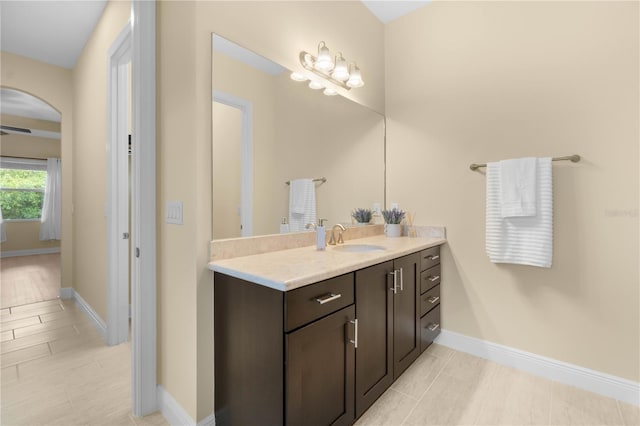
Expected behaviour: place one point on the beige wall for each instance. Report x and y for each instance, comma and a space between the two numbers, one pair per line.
184, 32
483, 81
53, 85
26, 235
90, 155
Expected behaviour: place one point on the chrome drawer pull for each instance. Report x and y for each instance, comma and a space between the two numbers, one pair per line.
328, 298
433, 299
433, 278
401, 281
433, 327
433, 257
355, 326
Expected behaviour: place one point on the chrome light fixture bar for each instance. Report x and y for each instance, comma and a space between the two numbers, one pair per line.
335, 71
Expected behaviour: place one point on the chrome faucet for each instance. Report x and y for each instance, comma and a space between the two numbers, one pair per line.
341, 228
310, 225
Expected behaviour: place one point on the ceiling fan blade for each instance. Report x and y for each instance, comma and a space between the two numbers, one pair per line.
15, 129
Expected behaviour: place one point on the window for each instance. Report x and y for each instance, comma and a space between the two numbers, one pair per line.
22, 184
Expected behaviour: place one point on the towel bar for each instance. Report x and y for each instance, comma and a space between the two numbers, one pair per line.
572, 158
320, 179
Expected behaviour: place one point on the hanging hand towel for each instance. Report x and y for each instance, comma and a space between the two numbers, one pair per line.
302, 204
518, 187
521, 240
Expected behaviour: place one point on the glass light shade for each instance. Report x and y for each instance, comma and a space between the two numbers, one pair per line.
340, 72
355, 78
315, 85
324, 62
329, 91
296, 76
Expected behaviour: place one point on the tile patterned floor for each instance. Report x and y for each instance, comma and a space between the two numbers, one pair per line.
56, 370
446, 387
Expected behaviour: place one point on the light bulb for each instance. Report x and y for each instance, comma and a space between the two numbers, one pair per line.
340, 72
330, 91
324, 62
355, 78
315, 85
296, 76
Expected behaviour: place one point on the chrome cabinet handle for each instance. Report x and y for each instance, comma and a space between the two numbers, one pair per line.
401, 280
433, 299
394, 289
328, 298
433, 327
433, 257
355, 340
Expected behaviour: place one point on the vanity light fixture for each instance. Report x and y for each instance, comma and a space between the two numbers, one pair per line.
335, 71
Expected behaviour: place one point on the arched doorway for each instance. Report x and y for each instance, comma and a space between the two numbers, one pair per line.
30, 199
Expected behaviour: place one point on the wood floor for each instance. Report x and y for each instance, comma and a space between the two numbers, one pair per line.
29, 279
56, 370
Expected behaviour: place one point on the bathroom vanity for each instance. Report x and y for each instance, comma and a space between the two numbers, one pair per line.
305, 337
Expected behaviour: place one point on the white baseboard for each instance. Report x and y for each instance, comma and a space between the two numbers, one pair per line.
172, 410
67, 293
175, 414
29, 252
210, 420
580, 377
93, 316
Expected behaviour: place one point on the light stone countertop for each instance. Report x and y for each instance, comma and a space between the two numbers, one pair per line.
289, 269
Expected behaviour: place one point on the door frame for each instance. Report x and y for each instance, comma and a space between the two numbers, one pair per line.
119, 56
142, 40
246, 157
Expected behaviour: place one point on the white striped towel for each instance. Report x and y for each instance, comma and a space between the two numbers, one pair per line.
518, 187
302, 204
521, 240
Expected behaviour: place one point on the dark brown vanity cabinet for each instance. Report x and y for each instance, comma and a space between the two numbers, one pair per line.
430, 278
388, 319
323, 353
284, 357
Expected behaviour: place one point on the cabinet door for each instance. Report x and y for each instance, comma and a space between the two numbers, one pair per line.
406, 314
320, 367
374, 355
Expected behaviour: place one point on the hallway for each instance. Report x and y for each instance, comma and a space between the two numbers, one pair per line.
29, 279
56, 370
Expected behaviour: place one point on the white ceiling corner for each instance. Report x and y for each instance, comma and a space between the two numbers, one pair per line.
389, 10
52, 31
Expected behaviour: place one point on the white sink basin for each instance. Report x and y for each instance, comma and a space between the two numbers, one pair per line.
358, 248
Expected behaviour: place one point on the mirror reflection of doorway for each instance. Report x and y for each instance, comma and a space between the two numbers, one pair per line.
226, 165
232, 166
29, 199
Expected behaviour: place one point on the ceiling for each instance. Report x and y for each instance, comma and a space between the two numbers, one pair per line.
55, 32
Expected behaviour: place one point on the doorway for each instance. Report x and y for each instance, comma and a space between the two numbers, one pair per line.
233, 136
30, 199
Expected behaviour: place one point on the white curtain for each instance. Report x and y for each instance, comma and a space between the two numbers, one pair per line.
3, 234
51, 212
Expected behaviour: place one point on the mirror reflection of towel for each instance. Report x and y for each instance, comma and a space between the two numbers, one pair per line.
302, 204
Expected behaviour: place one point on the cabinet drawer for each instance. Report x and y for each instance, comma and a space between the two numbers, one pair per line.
430, 327
429, 278
429, 300
429, 257
314, 301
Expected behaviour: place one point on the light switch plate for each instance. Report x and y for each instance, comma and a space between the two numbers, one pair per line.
173, 212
